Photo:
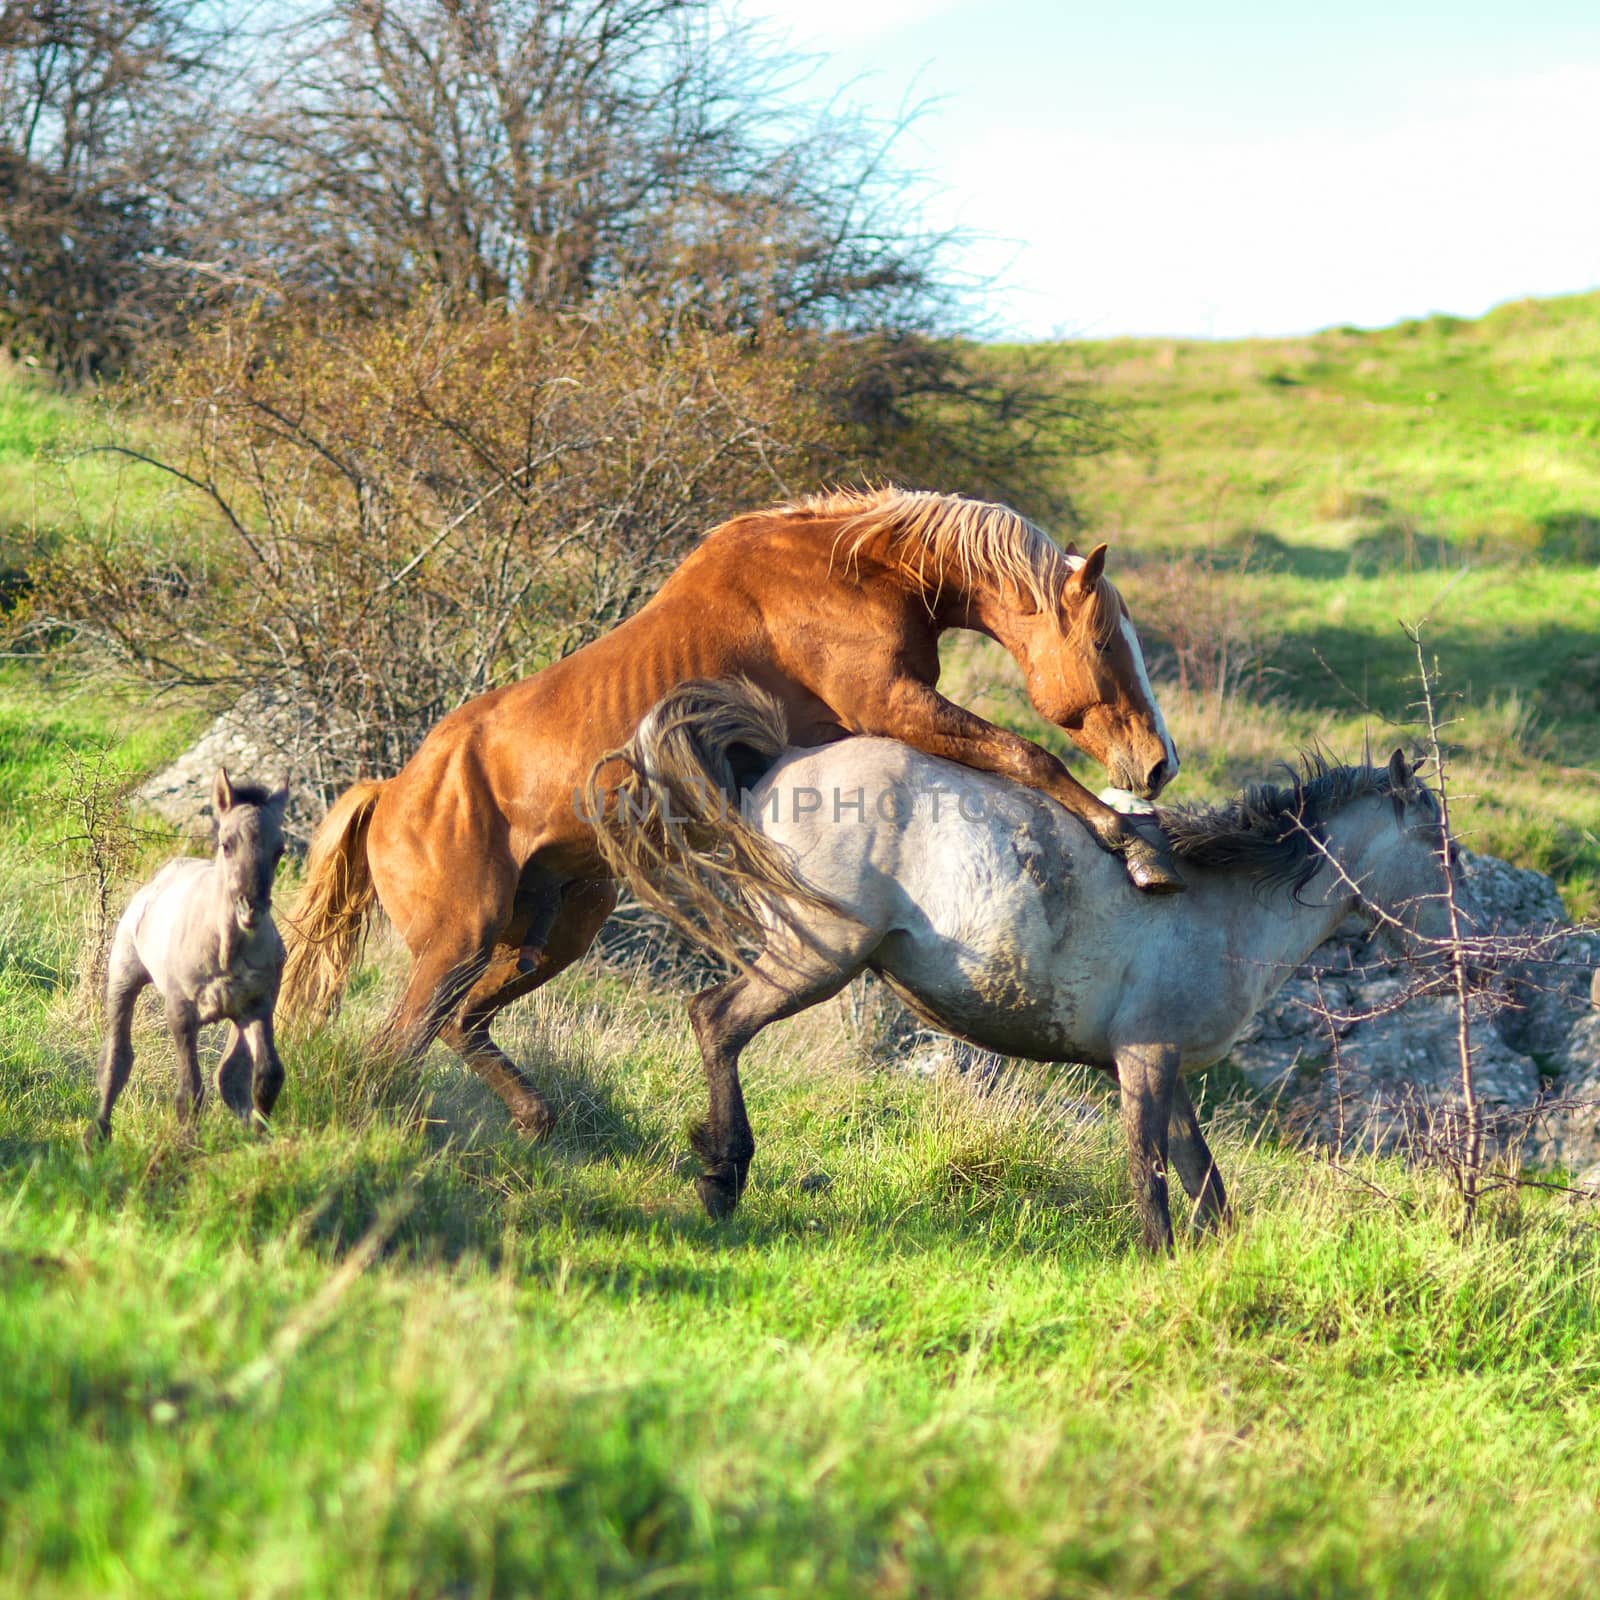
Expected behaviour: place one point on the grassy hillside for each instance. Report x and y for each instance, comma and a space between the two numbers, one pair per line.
1306, 497
54, 481
1376, 447
394, 1351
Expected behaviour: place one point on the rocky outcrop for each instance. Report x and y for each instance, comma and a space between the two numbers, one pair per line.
1567, 1129
263, 739
1361, 1054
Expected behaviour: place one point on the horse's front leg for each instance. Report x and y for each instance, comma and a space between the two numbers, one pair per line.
233, 1073
917, 714
267, 1076
184, 1022
1147, 1073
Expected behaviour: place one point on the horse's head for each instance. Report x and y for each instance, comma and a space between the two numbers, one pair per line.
1410, 869
1085, 671
249, 845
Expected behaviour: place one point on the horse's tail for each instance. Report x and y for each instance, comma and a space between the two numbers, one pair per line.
672, 827
323, 932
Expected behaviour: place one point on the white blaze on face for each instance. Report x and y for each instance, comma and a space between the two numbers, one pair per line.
1150, 696
1076, 561
1127, 802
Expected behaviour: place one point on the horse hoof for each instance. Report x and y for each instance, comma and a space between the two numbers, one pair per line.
534, 1123
717, 1194
96, 1136
1153, 872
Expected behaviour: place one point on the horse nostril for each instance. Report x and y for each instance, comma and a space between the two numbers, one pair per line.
1156, 777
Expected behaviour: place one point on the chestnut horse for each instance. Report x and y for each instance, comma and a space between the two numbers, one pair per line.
490, 871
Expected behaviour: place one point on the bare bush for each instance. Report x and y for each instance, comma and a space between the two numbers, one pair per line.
398, 514
1430, 1072
546, 153
956, 416
161, 159
98, 846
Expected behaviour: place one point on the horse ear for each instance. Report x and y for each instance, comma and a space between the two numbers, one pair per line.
221, 792
1088, 575
278, 800
1400, 774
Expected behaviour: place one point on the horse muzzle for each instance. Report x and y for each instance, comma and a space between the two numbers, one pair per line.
1148, 782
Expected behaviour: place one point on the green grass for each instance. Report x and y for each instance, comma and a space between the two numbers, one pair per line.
384, 1353
54, 484
392, 1350
48, 723
1484, 434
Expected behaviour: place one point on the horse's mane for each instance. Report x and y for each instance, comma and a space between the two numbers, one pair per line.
251, 794
1274, 832
933, 535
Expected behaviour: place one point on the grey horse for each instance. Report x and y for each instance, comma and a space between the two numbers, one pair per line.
986, 907
202, 933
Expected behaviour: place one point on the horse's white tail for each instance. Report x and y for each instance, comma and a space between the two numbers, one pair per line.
670, 826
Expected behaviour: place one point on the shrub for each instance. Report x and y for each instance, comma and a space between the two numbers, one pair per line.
400, 513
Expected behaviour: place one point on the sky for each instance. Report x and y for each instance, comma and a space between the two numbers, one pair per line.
1235, 169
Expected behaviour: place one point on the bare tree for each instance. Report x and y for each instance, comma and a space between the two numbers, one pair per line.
100, 126
540, 151
162, 159
503, 302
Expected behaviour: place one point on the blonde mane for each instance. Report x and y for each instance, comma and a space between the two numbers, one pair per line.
938, 538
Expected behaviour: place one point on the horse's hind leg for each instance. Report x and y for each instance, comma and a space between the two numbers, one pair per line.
125, 977
1196, 1167
725, 1020
536, 946
453, 996
447, 899
451, 948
